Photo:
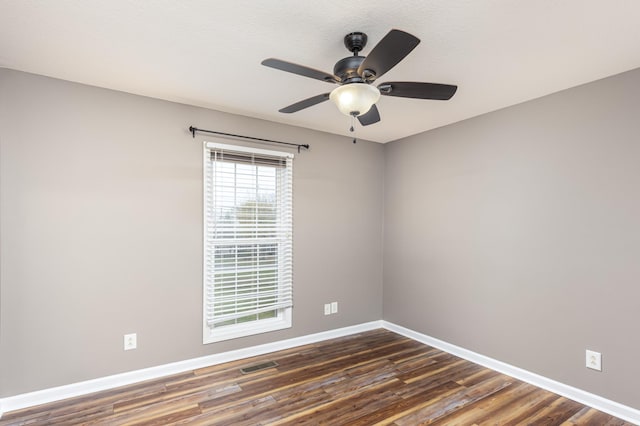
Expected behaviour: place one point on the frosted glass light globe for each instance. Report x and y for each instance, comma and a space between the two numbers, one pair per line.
355, 99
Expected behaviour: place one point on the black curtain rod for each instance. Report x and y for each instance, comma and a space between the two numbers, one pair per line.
193, 131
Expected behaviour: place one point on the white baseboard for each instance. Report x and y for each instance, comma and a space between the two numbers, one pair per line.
44, 396
624, 412
30, 399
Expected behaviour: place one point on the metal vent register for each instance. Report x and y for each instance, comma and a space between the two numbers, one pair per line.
258, 367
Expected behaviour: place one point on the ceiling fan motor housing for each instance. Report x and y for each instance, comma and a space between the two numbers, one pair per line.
347, 69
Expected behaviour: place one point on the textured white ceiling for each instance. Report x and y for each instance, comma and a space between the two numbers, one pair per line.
208, 53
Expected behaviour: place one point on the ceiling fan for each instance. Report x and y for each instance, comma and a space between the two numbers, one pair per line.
356, 95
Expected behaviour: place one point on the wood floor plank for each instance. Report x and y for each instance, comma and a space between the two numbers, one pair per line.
291, 406
479, 376
386, 413
451, 374
588, 417
489, 409
455, 401
531, 404
338, 410
555, 413
371, 378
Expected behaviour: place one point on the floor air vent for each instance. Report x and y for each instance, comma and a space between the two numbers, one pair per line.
258, 367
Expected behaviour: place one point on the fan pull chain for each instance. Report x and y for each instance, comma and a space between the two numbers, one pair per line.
352, 128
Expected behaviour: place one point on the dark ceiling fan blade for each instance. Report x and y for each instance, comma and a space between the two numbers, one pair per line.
372, 116
387, 53
408, 89
300, 70
306, 103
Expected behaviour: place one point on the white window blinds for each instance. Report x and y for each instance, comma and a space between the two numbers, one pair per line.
248, 234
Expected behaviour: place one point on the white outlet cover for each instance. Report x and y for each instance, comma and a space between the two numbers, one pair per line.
327, 308
594, 360
130, 341
334, 307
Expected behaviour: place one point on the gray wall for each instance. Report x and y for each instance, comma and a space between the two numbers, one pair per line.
101, 231
517, 235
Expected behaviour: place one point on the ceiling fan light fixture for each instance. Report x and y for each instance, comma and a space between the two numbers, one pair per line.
355, 99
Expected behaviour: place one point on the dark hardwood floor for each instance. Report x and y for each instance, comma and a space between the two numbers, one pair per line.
373, 378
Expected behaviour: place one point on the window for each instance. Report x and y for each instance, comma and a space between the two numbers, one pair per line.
247, 241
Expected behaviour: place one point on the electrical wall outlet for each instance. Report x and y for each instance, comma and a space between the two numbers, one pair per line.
130, 341
594, 360
327, 308
331, 308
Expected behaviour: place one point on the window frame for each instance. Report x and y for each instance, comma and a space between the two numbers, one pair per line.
283, 319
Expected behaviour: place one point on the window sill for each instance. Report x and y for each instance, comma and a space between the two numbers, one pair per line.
247, 329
